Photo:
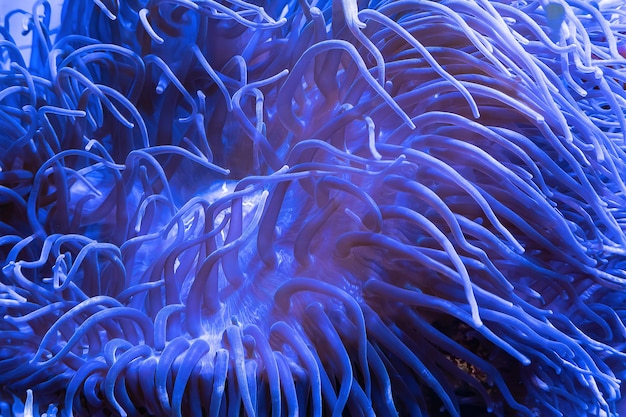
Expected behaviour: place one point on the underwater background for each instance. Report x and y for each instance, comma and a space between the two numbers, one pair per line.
312, 208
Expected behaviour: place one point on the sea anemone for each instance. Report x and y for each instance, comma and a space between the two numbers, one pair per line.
408, 207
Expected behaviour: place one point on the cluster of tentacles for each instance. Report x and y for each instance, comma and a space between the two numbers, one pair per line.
397, 208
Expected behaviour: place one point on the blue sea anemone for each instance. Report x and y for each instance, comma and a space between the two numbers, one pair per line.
297, 208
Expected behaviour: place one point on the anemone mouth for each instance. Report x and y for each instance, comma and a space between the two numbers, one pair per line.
393, 208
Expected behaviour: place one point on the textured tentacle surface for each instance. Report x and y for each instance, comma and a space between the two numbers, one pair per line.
323, 208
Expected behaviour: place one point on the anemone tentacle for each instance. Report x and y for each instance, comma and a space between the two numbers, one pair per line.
308, 209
